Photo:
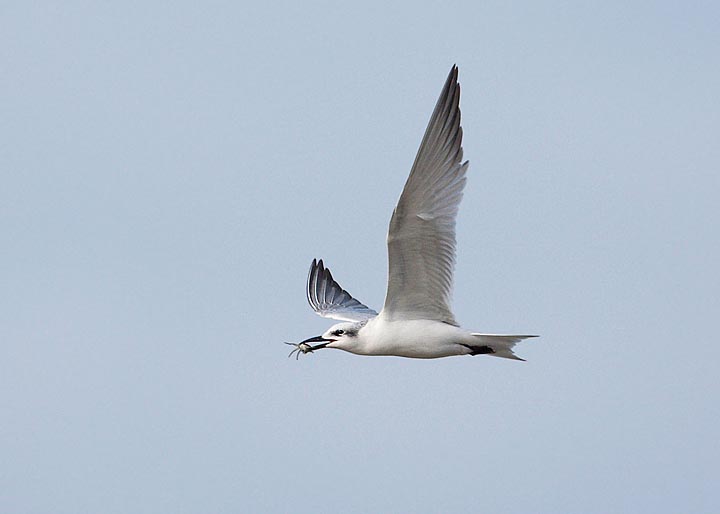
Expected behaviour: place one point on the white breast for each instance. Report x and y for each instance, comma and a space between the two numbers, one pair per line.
420, 339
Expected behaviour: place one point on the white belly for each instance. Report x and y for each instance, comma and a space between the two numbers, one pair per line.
419, 339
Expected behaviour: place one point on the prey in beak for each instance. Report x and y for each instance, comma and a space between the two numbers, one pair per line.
305, 347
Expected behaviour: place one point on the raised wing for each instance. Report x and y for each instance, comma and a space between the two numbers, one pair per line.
421, 239
329, 300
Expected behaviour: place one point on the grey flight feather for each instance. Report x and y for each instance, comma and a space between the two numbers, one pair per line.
329, 300
421, 238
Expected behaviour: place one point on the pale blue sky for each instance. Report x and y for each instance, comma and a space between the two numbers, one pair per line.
170, 169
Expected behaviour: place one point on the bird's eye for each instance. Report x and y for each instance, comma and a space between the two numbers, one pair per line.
339, 332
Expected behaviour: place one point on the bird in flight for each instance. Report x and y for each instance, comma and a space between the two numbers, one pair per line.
416, 320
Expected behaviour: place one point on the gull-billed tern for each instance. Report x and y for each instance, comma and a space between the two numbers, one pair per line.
416, 320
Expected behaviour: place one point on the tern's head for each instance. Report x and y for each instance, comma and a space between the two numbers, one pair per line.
342, 335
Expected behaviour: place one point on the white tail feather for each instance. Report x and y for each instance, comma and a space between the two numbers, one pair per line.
501, 345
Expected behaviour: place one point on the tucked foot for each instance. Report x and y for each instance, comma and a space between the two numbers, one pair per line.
479, 350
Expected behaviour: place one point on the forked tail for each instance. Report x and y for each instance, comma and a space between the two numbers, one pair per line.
497, 345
